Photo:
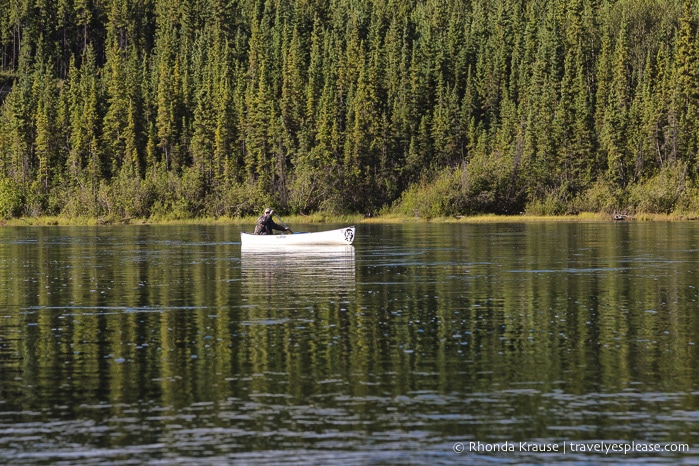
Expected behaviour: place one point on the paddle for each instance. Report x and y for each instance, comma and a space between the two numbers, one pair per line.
282, 222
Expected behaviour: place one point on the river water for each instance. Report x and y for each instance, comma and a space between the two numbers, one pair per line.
420, 344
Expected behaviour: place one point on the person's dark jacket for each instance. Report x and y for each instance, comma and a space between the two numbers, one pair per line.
265, 225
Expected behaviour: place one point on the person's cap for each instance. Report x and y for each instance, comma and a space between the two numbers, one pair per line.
269, 211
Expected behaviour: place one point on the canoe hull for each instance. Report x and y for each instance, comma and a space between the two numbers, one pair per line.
339, 237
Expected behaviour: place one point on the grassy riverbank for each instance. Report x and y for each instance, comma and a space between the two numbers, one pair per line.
320, 218
91, 221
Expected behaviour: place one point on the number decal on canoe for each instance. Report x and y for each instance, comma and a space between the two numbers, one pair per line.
349, 235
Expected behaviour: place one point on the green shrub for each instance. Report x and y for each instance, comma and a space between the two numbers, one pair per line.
688, 202
173, 196
86, 200
489, 184
11, 198
660, 193
305, 191
132, 196
552, 204
560, 200
238, 200
602, 196
431, 199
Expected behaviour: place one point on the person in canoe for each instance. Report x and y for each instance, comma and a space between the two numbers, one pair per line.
265, 224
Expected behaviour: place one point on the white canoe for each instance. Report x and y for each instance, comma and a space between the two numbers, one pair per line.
342, 236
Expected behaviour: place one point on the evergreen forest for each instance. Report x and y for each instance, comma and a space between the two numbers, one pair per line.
193, 108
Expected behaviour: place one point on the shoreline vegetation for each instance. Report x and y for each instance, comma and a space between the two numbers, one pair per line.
160, 110
322, 218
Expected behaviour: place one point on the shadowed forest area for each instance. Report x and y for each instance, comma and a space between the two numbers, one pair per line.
185, 109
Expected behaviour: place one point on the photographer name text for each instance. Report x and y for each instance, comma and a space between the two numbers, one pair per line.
606, 448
